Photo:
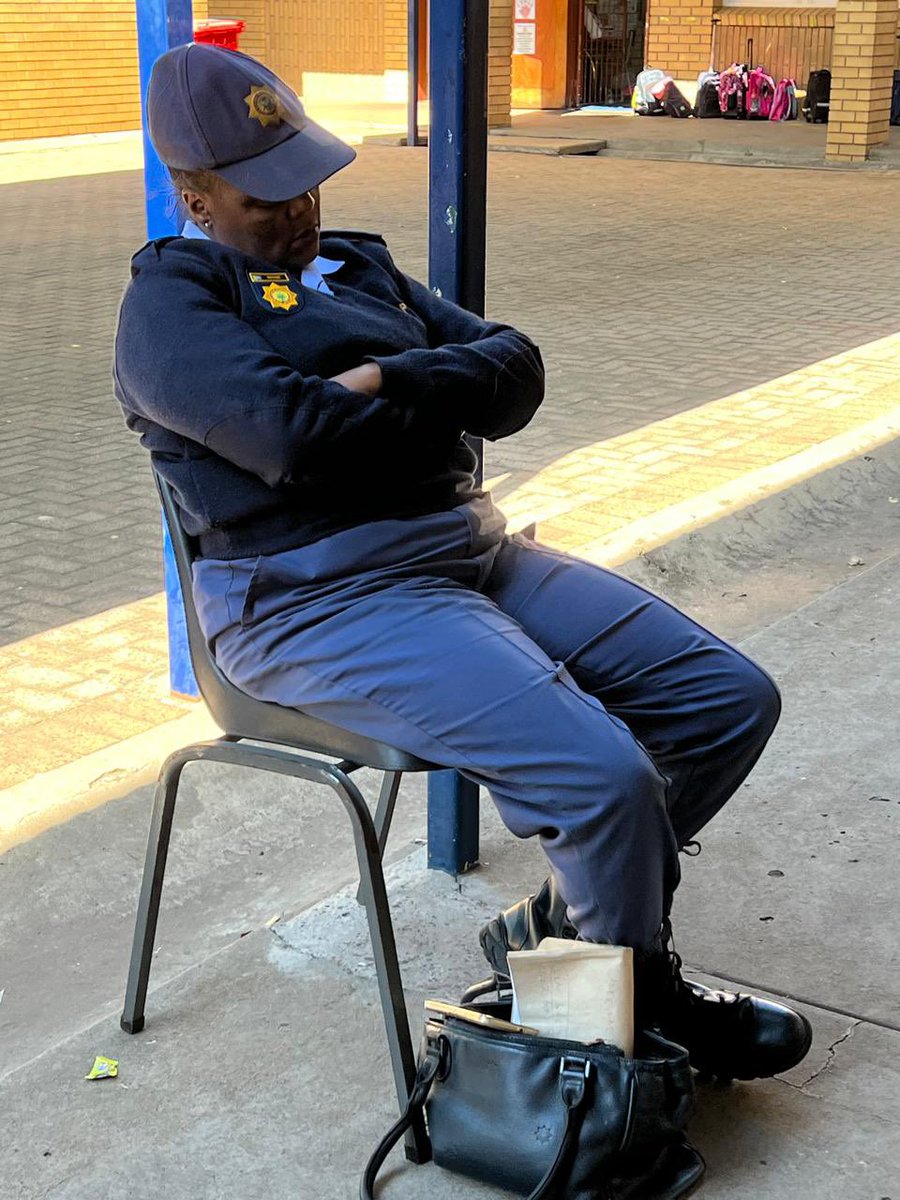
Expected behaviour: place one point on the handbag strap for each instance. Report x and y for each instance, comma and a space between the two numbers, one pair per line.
425, 1076
573, 1077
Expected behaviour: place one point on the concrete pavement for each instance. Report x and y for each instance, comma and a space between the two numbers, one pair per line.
262, 1070
791, 144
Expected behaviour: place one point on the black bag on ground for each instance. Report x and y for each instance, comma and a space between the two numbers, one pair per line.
708, 100
544, 1118
895, 100
818, 96
674, 103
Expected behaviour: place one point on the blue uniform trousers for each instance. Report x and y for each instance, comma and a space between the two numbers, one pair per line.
599, 718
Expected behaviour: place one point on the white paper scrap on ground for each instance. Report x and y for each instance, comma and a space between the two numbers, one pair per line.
577, 991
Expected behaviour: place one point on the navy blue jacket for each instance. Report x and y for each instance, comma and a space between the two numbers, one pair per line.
232, 395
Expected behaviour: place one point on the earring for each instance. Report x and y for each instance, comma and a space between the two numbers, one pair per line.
207, 224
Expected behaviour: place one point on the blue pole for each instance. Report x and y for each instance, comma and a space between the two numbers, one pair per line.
162, 24
458, 47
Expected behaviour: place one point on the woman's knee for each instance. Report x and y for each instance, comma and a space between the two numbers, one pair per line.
757, 699
576, 795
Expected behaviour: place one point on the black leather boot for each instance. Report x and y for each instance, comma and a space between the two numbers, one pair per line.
730, 1035
525, 925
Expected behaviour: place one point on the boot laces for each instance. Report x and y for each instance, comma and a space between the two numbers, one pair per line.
686, 989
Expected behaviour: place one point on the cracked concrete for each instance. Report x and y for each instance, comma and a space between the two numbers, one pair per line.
830, 1053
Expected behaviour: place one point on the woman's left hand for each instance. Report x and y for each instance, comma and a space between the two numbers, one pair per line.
365, 379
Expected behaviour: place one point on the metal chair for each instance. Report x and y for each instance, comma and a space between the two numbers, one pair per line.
246, 721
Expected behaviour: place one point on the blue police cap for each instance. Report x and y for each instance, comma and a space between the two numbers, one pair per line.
219, 110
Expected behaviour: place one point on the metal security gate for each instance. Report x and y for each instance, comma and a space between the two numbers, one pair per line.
777, 40
607, 39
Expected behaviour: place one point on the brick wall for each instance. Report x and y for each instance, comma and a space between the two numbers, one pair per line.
679, 36
863, 60
69, 66
255, 16
342, 37
395, 19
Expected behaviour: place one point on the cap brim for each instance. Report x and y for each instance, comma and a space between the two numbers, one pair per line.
302, 161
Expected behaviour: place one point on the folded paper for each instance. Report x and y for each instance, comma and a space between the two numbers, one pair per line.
577, 991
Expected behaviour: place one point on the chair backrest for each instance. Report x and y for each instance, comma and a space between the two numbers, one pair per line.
227, 703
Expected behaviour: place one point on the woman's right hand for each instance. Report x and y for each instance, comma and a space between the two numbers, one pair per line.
365, 378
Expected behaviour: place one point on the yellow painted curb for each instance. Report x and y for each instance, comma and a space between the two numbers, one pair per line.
640, 537
49, 799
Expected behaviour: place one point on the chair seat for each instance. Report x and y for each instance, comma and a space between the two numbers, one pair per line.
258, 720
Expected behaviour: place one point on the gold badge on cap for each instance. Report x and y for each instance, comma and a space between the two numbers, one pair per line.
264, 105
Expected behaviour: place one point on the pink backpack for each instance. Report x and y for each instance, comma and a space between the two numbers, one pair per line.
733, 91
760, 94
784, 102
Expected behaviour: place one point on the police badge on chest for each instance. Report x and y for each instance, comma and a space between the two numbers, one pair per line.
276, 291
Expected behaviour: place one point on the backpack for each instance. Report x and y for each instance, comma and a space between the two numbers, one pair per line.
760, 93
895, 100
643, 100
733, 91
784, 102
818, 95
674, 102
708, 97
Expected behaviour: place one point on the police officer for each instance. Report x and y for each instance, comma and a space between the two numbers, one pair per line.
306, 400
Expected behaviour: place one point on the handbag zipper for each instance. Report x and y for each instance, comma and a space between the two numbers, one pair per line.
527, 1039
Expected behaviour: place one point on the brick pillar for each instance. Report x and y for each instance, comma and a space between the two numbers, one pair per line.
499, 62
862, 69
679, 36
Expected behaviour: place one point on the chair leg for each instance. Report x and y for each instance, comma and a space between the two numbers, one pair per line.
373, 894
132, 1020
384, 814
387, 800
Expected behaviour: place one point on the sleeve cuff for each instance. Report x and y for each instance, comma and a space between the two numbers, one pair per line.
402, 379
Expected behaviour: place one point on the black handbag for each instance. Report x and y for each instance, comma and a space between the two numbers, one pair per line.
548, 1119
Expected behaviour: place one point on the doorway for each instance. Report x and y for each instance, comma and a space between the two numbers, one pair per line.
606, 51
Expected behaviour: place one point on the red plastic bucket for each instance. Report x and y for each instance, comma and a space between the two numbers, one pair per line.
219, 33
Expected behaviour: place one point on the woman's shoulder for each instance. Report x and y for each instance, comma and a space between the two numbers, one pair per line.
165, 269
176, 254
355, 243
